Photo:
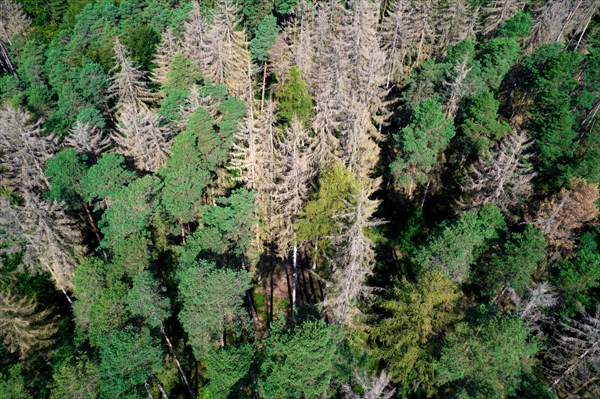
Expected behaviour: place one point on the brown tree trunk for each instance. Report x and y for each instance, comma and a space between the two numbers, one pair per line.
94, 228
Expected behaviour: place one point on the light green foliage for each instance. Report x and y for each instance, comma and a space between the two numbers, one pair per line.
108, 311
489, 360
131, 254
12, 384
105, 178
144, 299
293, 99
65, 171
182, 192
337, 187
226, 368
212, 301
516, 263
89, 279
416, 313
419, 145
232, 112
481, 127
183, 73
578, 276
77, 378
127, 359
212, 148
130, 209
265, 37
458, 244
300, 362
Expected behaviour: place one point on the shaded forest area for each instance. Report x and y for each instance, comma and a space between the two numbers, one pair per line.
299, 199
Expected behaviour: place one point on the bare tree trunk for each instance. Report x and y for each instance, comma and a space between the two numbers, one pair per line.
183, 376
294, 275
160, 387
148, 391
264, 84
182, 232
314, 263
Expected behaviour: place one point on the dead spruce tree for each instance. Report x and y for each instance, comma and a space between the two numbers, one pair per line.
24, 151
372, 386
498, 12
128, 85
561, 215
25, 329
354, 258
225, 54
456, 20
296, 44
87, 139
255, 161
533, 307
502, 178
350, 86
50, 238
141, 133
573, 357
13, 22
557, 20
165, 51
144, 138
294, 173
407, 37
194, 33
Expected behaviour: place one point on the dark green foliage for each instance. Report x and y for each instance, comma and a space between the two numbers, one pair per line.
65, 171
300, 362
265, 36
145, 300
419, 145
141, 41
489, 360
577, 277
77, 378
12, 384
129, 210
127, 359
482, 128
105, 178
212, 302
226, 228
227, 368
458, 244
184, 178
516, 263
553, 121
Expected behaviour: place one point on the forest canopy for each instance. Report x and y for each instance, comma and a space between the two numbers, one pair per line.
303, 199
